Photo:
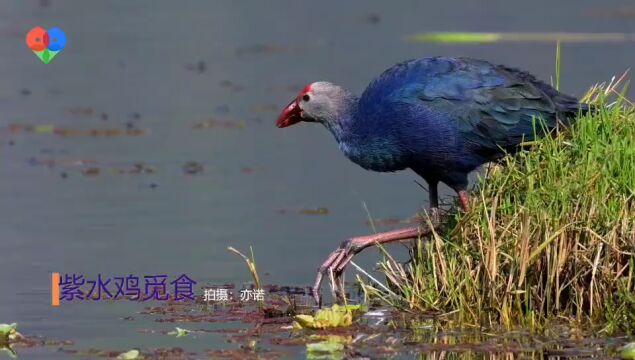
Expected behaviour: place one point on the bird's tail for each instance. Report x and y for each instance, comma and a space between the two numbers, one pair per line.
586, 108
570, 110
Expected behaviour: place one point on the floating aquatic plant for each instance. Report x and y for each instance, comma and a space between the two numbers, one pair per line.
9, 350
9, 332
179, 332
133, 354
328, 347
336, 316
627, 352
325, 350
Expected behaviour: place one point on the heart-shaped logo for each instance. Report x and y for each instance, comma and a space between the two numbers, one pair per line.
46, 43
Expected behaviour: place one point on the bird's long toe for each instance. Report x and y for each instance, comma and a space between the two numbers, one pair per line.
337, 261
327, 268
334, 267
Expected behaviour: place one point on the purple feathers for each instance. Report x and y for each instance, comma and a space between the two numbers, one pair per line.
442, 117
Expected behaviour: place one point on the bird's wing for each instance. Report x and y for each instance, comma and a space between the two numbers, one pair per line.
491, 106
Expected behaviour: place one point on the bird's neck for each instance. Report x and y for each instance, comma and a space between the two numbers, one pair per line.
362, 141
340, 123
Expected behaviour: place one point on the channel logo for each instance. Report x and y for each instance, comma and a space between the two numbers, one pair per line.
46, 43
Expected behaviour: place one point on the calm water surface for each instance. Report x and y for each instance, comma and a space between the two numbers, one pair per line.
164, 66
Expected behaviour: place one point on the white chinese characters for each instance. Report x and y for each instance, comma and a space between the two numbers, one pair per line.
215, 295
224, 295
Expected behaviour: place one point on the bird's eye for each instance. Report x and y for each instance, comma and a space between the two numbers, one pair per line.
306, 97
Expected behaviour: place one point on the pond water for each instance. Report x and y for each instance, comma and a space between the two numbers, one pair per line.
194, 163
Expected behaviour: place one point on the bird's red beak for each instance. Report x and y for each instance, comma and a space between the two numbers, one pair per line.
290, 115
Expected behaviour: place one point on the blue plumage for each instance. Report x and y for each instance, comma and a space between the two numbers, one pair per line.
441, 117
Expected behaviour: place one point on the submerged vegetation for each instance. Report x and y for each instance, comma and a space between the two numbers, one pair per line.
550, 235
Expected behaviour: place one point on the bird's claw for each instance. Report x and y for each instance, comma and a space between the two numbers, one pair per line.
337, 261
334, 266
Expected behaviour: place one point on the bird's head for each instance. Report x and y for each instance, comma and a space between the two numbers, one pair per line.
317, 102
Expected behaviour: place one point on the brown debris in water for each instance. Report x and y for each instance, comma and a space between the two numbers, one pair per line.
289, 88
217, 123
134, 169
624, 12
91, 171
192, 168
13, 346
199, 67
176, 353
305, 211
393, 221
73, 132
233, 87
245, 353
259, 49
251, 170
268, 108
80, 111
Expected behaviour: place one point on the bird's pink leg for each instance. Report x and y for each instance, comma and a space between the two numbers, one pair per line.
336, 262
464, 199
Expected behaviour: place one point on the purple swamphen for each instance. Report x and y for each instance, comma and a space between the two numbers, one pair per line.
442, 117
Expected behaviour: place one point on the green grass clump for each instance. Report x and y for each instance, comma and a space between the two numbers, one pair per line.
550, 236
